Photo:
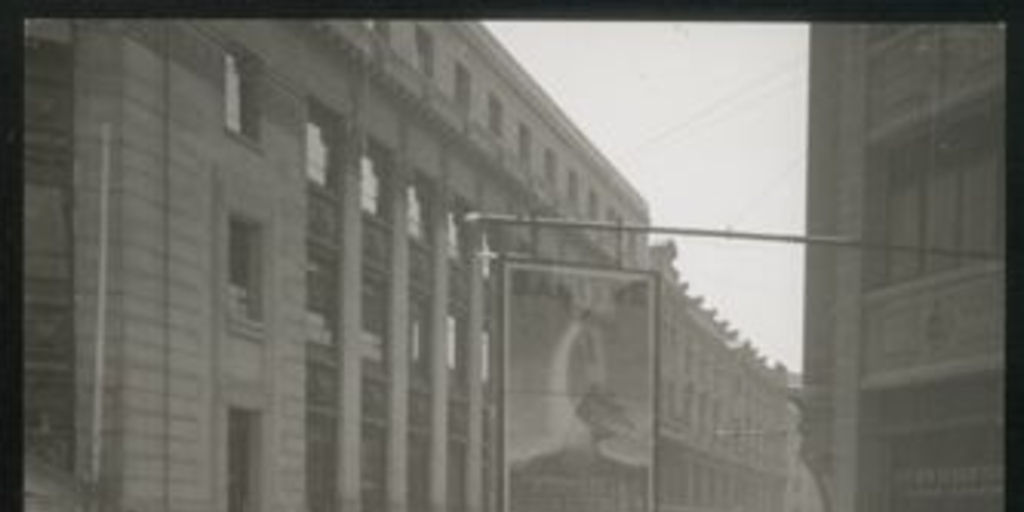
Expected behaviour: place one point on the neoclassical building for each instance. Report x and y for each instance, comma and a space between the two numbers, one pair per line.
268, 215
724, 410
904, 340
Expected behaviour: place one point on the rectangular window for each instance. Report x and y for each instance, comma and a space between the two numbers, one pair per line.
975, 152
415, 210
316, 154
322, 467
425, 51
550, 168
495, 115
592, 206
321, 296
463, 87
906, 172
983, 211
243, 460
419, 468
420, 315
232, 93
375, 171
457, 346
245, 272
323, 146
241, 108
454, 234
374, 467
456, 476
321, 462
574, 189
375, 319
941, 216
369, 187
525, 145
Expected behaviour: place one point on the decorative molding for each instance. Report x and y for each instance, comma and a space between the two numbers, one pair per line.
925, 326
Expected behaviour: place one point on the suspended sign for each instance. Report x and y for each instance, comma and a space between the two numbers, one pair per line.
579, 388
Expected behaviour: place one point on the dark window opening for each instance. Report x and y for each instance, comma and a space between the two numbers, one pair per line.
420, 338
241, 86
495, 115
418, 211
525, 145
243, 460
418, 472
375, 169
574, 189
456, 476
321, 297
374, 467
550, 168
245, 285
323, 147
937, 193
375, 320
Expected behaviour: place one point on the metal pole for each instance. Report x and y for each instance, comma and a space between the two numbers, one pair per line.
101, 312
834, 241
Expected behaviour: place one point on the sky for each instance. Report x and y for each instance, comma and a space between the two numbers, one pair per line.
708, 122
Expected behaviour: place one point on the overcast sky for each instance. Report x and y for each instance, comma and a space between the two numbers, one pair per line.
708, 121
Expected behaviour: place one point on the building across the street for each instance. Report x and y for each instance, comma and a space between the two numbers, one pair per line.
724, 410
293, 314
803, 487
904, 348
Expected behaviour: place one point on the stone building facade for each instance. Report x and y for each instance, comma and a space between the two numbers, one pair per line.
296, 319
723, 409
904, 349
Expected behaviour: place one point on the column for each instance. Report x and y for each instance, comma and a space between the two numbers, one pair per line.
474, 467
350, 284
439, 353
848, 335
398, 355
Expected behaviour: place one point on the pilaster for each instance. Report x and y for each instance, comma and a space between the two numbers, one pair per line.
351, 324
399, 338
474, 467
439, 353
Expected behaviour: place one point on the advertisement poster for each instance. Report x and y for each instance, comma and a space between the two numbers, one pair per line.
579, 388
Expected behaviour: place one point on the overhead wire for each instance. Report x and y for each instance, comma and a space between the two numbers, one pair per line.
700, 126
758, 82
770, 187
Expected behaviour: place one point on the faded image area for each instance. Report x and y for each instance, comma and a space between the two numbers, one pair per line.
579, 389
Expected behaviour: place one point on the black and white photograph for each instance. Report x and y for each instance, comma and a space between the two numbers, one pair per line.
513, 265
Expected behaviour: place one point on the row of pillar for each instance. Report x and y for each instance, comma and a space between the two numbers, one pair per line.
350, 283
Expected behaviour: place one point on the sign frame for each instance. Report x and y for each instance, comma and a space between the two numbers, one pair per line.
504, 266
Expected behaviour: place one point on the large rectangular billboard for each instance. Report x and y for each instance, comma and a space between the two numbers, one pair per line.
579, 388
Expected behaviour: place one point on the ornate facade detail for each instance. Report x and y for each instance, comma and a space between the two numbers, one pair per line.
936, 323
